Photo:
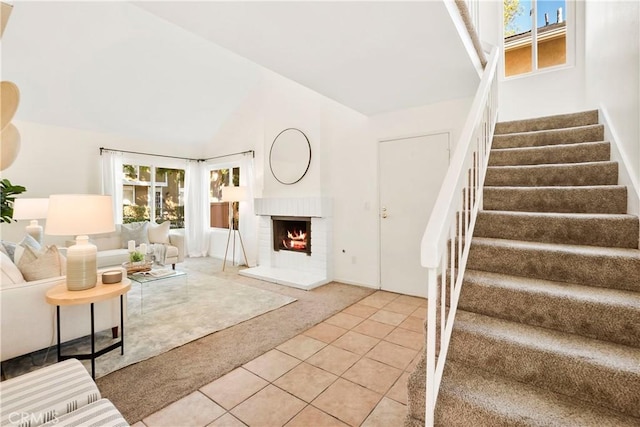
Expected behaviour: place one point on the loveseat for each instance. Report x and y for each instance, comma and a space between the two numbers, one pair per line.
159, 238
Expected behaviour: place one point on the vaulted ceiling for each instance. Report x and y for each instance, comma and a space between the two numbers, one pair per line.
173, 71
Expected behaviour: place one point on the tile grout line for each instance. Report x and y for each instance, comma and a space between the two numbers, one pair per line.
360, 357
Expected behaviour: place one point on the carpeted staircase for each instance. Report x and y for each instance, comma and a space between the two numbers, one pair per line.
547, 330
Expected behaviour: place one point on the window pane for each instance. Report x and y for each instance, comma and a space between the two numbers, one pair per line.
552, 33
135, 190
517, 37
166, 197
169, 192
219, 211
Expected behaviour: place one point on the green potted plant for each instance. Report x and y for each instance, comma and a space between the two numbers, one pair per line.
136, 256
8, 192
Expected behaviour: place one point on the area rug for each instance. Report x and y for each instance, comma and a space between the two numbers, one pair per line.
140, 389
166, 314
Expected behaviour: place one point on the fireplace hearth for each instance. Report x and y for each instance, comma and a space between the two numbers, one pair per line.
291, 234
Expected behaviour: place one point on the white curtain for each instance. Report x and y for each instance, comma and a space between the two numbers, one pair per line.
196, 209
112, 181
248, 219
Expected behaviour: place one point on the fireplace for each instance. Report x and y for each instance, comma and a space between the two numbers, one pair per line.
291, 234
303, 269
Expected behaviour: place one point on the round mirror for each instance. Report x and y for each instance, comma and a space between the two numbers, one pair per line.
290, 156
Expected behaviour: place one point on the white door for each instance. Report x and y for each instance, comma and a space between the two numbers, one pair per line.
411, 173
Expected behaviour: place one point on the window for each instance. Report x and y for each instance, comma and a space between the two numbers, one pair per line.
535, 35
219, 211
161, 198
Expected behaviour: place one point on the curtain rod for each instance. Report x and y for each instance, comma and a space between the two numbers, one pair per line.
149, 154
253, 154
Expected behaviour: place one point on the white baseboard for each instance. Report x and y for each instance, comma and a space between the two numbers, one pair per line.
624, 163
351, 282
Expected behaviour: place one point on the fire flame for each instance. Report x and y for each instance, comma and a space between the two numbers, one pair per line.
296, 240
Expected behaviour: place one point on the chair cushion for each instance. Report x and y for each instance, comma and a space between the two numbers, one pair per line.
43, 395
112, 257
107, 242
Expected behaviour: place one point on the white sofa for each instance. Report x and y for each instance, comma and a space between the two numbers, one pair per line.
28, 321
112, 247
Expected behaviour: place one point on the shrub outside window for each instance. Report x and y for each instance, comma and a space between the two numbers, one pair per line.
219, 210
161, 198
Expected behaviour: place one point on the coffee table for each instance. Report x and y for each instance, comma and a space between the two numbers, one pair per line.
159, 290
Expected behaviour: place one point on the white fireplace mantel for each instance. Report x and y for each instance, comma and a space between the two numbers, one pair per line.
289, 206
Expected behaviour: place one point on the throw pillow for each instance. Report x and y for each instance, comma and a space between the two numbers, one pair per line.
10, 272
9, 248
43, 264
134, 231
159, 233
27, 240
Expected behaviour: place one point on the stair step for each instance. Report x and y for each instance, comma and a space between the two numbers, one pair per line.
559, 121
606, 199
589, 370
589, 133
605, 314
614, 268
416, 386
564, 228
473, 397
550, 154
578, 174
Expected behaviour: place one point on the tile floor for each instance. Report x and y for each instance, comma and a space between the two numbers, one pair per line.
350, 370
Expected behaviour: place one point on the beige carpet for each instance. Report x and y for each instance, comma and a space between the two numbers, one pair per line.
141, 389
165, 314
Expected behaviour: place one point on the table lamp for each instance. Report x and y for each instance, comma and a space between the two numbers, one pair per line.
233, 194
80, 215
31, 209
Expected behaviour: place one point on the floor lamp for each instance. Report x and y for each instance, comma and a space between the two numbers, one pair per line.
231, 195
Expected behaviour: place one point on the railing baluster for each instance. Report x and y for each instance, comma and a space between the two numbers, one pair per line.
451, 224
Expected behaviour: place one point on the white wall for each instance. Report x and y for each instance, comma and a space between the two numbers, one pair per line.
344, 164
490, 12
57, 160
548, 92
613, 72
276, 104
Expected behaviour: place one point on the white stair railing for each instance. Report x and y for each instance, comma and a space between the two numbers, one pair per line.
447, 238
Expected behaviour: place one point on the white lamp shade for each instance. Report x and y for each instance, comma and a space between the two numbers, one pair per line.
30, 208
234, 194
79, 214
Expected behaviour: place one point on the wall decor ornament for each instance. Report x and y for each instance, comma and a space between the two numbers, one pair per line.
290, 156
9, 136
